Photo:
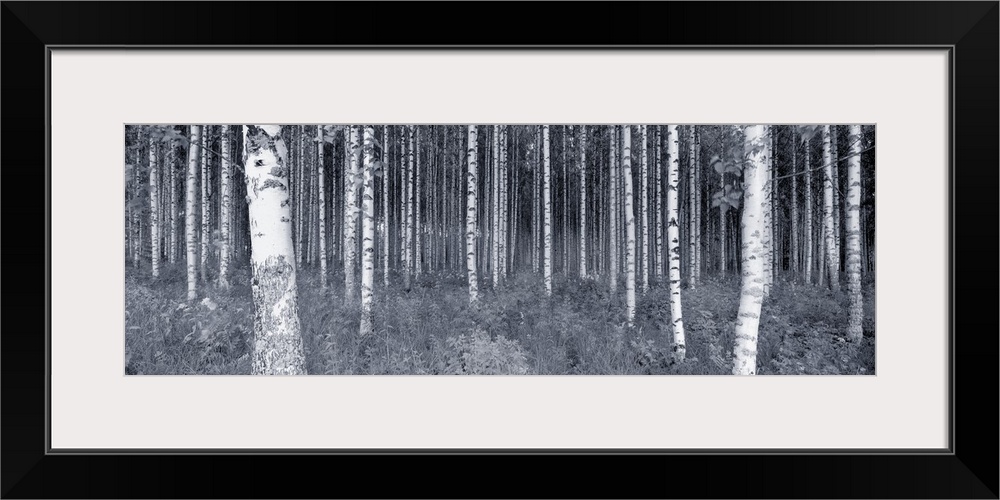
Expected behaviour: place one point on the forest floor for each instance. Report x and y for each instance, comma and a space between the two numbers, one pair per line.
431, 329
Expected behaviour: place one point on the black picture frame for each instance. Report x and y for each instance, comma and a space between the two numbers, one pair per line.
968, 469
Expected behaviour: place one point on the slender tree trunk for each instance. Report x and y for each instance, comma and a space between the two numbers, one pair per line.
278, 347
472, 153
547, 202
154, 207
644, 188
190, 197
225, 194
565, 193
658, 166
351, 209
830, 251
723, 237
172, 179
692, 222
205, 231
835, 176
753, 252
795, 209
368, 235
696, 192
630, 245
299, 195
417, 211
613, 241
854, 331
385, 205
408, 244
767, 242
673, 243
808, 217
583, 201
495, 208
320, 180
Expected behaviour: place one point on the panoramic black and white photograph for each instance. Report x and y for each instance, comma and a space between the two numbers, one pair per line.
510, 249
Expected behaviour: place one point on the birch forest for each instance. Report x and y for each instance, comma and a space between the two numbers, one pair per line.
557, 249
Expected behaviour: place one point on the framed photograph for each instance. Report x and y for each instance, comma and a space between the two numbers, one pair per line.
678, 241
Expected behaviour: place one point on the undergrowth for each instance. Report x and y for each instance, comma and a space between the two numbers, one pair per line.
432, 329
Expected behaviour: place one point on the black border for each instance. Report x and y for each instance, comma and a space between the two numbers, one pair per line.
968, 470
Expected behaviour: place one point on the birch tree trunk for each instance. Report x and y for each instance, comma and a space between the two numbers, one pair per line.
278, 347
853, 222
696, 192
723, 237
692, 221
190, 197
583, 201
320, 179
299, 195
835, 176
547, 202
673, 243
472, 153
154, 206
808, 217
225, 192
768, 230
658, 166
613, 229
495, 208
385, 205
832, 264
408, 236
172, 179
629, 226
368, 235
351, 182
205, 231
752, 253
417, 211
644, 187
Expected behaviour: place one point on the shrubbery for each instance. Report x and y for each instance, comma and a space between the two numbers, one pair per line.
432, 329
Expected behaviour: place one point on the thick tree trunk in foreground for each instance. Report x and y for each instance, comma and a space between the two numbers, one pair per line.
277, 348
853, 223
673, 243
752, 254
224, 209
368, 235
190, 198
831, 257
629, 225
472, 155
351, 183
320, 180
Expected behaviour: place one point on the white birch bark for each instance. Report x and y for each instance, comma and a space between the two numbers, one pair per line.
320, 180
832, 259
583, 201
613, 229
658, 167
472, 153
673, 243
154, 206
768, 234
173, 192
299, 196
752, 253
853, 222
190, 198
368, 235
547, 203
697, 206
385, 205
278, 347
692, 222
495, 208
835, 176
206, 233
351, 183
807, 262
644, 188
225, 193
630, 245
408, 230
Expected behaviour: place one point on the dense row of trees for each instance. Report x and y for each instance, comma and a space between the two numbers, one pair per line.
645, 204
